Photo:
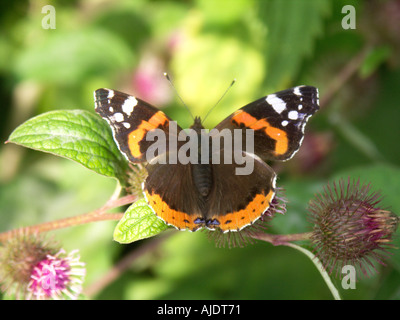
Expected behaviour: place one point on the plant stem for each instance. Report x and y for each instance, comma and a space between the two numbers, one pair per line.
343, 76
286, 240
281, 239
96, 215
320, 268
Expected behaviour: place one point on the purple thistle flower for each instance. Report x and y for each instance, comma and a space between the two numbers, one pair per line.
32, 268
350, 227
56, 277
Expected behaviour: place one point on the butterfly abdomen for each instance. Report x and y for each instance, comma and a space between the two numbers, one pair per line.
202, 177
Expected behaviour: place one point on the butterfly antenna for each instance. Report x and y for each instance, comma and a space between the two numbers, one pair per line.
226, 91
176, 92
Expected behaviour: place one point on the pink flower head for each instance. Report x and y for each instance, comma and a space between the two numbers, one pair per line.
57, 277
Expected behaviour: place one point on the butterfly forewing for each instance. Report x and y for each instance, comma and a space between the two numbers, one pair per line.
278, 121
131, 119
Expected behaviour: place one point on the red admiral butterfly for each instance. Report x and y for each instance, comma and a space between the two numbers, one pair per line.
191, 196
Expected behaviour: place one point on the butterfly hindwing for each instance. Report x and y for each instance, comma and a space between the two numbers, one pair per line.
236, 201
170, 191
231, 203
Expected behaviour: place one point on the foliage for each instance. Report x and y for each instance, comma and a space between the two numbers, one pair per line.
74, 134
139, 222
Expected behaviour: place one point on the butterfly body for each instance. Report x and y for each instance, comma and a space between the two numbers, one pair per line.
207, 190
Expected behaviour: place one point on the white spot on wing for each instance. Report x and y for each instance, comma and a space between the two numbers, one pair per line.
296, 91
277, 104
285, 123
110, 94
126, 124
118, 117
293, 115
128, 105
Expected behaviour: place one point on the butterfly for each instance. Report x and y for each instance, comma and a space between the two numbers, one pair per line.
191, 195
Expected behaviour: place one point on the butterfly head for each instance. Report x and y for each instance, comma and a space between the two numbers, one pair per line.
197, 125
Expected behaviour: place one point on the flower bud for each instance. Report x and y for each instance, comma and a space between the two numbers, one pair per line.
31, 268
350, 227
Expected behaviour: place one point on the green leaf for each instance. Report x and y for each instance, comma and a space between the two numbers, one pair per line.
66, 57
373, 60
292, 28
222, 11
139, 222
73, 134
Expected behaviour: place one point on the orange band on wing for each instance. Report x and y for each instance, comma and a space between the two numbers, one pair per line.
277, 134
280, 137
239, 219
134, 138
178, 219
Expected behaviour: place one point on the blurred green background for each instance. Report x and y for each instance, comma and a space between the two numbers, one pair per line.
204, 44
